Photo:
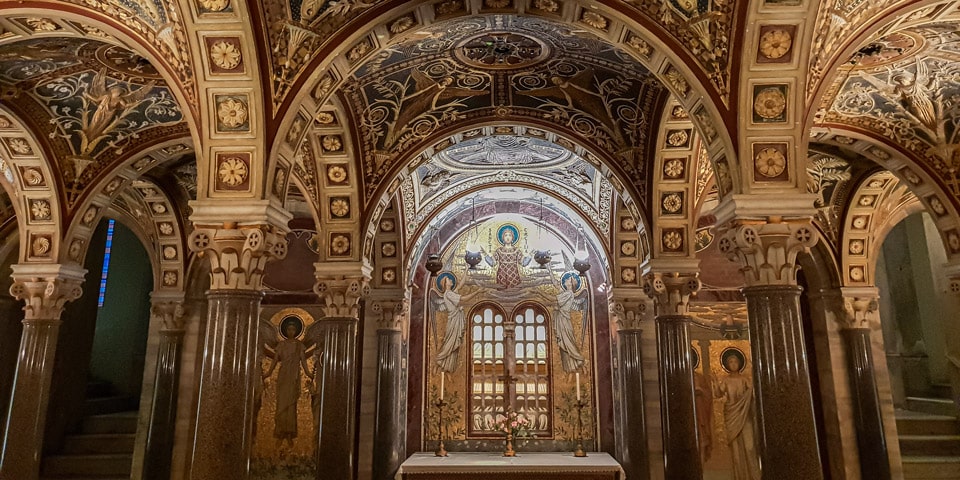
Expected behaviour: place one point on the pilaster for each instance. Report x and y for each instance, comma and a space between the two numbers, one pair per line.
45, 289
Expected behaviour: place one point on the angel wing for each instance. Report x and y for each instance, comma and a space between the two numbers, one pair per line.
98, 87
311, 339
269, 338
580, 304
567, 261
139, 95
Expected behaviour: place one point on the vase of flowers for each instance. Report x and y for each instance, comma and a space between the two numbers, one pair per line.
514, 425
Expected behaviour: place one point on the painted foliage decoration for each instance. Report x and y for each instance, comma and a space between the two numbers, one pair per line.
102, 100
906, 87
547, 72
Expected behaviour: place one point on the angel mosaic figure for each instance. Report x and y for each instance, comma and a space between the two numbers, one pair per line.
571, 298
111, 105
736, 390
445, 299
507, 257
291, 354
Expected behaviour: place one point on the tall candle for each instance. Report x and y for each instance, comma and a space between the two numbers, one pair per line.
578, 386
442, 376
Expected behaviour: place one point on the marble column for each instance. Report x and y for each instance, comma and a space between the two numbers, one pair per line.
230, 368
334, 405
859, 316
788, 444
45, 288
671, 293
634, 454
388, 433
168, 309
11, 328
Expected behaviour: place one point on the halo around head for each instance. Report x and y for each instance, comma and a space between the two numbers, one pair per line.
735, 352
451, 276
695, 357
291, 320
513, 228
576, 280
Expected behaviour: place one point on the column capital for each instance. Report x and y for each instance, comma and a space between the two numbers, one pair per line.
390, 314
239, 253
860, 307
670, 285
767, 249
630, 308
168, 309
46, 288
952, 271
341, 285
754, 207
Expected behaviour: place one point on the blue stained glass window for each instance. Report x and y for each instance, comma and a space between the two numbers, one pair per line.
106, 262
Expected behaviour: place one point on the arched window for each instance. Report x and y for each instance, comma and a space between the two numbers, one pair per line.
491, 349
532, 372
486, 368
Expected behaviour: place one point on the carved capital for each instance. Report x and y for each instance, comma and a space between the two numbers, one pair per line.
168, 311
671, 291
46, 288
390, 314
238, 255
859, 308
630, 309
341, 286
767, 252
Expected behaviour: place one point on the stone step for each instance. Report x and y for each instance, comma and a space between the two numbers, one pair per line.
941, 390
930, 445
99, 443
112, 423
934, 406
930, 468
97, 466
923, 424
107, 405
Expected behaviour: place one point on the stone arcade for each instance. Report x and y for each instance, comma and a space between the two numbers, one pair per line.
712, 239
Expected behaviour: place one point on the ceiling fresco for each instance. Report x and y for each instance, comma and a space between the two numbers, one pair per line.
905, 87
97, 102
474, 69
487, 160
299, 29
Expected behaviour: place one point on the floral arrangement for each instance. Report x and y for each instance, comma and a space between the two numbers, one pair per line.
513, 423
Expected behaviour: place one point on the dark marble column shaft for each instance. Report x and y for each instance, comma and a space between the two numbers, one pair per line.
874, 461
388, 439
23, 444
335, 404
230, 367
11, 328
681, 452
635, 454
785, 416
163, 417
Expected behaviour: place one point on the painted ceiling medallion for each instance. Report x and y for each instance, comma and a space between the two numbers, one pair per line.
402, 24
775, 43
232, 113
232, 171
770, 103
225, 55
551, 6
770, 162
502, 50
214, 5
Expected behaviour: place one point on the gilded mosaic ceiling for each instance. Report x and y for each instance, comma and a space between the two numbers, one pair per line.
480, 161
95, 103
905, 87
506, 68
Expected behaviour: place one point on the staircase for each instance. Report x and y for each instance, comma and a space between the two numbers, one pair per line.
103, 447
929, 439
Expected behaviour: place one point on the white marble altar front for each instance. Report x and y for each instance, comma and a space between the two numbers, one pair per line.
526, 466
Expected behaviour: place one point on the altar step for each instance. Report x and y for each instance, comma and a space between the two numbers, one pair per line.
929, 445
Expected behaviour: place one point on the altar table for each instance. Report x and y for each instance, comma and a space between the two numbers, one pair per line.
525, 466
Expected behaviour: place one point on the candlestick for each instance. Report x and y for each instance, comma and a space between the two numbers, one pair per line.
441, 451
578, 386
579, 451
442, 375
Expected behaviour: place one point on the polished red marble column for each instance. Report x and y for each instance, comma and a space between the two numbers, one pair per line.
388, 434
45, 289
230, 366
163, 415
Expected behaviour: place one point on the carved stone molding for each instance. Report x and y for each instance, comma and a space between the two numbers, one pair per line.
341, 286
168, 310
767, 252
630, 309
46, 288
860, 307
238, 255
671, 290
